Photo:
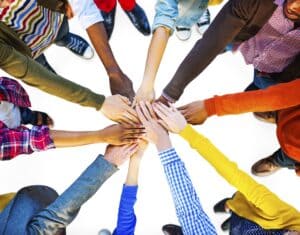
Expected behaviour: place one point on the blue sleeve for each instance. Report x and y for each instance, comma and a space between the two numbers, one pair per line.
126, 217
191, 216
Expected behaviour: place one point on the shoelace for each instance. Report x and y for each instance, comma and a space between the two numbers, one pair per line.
204, 19
77, 45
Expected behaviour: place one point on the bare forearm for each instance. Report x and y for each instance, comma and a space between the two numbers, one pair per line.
98, 37
155, 53
134, 167
76, 138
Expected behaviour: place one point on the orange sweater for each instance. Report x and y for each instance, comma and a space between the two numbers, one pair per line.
284, 97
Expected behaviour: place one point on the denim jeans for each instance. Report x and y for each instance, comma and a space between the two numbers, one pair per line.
240, 225
183, 13
25, 216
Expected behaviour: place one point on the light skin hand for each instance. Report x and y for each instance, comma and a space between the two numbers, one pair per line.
134, 164
144, 93
155, 133
195, 112
117, 108
171, 118
117, 155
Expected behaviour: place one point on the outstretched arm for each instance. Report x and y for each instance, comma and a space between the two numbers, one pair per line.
235, 15
155, 53
280, 96
65, 208
114, 134
189, 211
126, 216
255, 193
91, 20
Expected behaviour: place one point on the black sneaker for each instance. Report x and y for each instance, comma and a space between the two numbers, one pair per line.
109, 21
77, 45
221, 206
41, 59
139, 19
172, 229
225, 226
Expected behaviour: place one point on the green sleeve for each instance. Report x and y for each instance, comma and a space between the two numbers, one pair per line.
32, 73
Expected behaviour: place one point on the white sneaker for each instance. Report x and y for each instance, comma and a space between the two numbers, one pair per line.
203, 22
183, 33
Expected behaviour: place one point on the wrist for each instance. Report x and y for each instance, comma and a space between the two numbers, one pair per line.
163, 144
114, 73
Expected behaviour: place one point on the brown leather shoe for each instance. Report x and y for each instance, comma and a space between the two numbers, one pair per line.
269, 117
264, 167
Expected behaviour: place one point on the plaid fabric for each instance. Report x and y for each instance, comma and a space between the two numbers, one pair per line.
192, 218
11, 91
22, 140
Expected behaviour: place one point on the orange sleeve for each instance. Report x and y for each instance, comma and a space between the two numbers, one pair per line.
276, 97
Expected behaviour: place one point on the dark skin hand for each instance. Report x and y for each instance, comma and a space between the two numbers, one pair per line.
122, 85
119, 82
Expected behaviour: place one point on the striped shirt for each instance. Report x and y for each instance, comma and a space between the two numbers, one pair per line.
36, 25
192, 218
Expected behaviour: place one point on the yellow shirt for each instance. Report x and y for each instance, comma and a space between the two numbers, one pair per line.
5, 199
214, 2
253, 201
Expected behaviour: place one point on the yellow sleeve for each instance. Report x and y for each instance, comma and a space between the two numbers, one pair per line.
255, 193
5, 199
214, 2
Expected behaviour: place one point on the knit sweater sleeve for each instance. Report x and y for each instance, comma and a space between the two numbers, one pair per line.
255, 193
275, 97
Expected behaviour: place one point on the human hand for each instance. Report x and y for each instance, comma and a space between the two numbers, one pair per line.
117, 108
120, 84
144, 93
195, 112
163, 100
117, 155
122, 134
69, 11
171, 118
36, 118
155, 133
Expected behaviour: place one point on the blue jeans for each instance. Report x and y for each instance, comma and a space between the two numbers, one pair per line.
261, 82
183, 13
240, 225
26, 215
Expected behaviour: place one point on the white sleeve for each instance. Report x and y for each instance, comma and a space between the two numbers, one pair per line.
86, 11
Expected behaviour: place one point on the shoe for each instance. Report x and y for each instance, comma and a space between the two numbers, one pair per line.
109, 21
183, 33
77, 45
265, 166
172, 229
221, 206
225, 226
41, 59
139, 19
104, 232
269, 117
203, 22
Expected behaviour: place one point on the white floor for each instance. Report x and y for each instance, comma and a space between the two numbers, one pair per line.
241, 137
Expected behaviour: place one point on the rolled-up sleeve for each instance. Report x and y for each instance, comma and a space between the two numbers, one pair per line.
166, 13
87, 12
22, 140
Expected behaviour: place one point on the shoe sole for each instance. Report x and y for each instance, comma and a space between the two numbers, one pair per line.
267, 173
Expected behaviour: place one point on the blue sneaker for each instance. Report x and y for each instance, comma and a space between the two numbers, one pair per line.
77, 45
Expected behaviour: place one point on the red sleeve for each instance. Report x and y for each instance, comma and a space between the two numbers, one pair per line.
22, 140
